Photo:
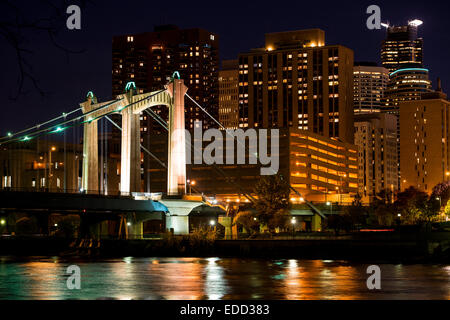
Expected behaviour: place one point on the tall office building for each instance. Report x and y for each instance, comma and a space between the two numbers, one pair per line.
297, 81
376, 138
402, 47
228, 94
150, 59
369, 85
405, 84
424, 141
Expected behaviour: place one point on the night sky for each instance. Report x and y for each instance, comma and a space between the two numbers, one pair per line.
240, 25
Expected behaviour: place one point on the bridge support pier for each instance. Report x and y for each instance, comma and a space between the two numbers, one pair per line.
130, 172
176, 171
90, 179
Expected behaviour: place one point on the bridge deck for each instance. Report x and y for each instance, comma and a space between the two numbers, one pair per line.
11, 200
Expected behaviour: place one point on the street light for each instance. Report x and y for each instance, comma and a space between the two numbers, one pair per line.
331, 206
440, 202
293, 221
2, 222
52, 149
191, 183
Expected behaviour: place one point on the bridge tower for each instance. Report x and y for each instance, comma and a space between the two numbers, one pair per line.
176, 169
130, 105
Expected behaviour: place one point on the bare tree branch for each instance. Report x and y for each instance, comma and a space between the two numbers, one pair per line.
19, 30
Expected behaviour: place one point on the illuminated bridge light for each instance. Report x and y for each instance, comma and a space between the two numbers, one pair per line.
58, 129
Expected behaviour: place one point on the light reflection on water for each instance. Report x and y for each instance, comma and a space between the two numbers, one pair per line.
216, 278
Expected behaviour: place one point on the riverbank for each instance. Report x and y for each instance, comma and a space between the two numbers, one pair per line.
389, 247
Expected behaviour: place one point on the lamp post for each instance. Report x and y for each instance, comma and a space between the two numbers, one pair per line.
440, 202
331, 206
52, 149
293, 222
190, 183
212, 223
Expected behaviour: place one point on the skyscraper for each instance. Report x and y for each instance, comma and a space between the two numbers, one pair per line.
297, 81
376, 138
150, 59
406, 84
369, 85
228, 94
402, 48
424, 141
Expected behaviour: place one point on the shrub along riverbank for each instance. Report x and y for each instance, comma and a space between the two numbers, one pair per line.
388, 247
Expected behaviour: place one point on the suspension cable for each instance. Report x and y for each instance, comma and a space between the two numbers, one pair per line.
64, 115
142, 147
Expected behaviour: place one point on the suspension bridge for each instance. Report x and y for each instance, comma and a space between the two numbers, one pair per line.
132, 207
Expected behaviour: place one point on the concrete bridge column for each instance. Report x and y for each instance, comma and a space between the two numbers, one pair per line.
130, 173
90, 151
176, 171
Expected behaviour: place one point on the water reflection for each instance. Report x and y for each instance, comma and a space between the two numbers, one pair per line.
214, 278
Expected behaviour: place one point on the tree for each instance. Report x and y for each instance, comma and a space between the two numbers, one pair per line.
442, 191
339, 222
248, 220
382, 208
415, 206
356, 213
273, 201
21, 26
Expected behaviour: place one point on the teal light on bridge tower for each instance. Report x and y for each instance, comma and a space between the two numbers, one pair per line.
130, 85
90, 95
176, 75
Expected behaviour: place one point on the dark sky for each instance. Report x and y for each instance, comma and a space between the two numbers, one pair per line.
240, 24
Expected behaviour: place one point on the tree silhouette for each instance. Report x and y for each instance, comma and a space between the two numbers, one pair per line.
18, 30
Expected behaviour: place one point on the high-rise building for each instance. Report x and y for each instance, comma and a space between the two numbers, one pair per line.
150, 59
402, 47
424, 141
369, 85
406, 84
297, 81
228, 94
376, 138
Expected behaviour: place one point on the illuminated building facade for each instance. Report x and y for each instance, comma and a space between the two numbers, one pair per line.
228, 94
406, 84
369, 86
40, 166
320, 168
296, 81
402, 48
424, 141
376, 138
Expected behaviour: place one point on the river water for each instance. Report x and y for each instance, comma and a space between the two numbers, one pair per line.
217, 278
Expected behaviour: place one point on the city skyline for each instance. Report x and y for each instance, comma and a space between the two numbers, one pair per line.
67, 92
